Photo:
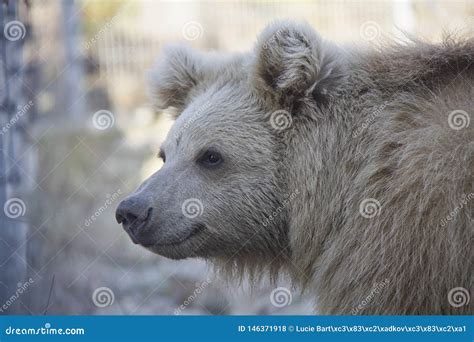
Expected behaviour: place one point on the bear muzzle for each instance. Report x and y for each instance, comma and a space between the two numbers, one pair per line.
134, 215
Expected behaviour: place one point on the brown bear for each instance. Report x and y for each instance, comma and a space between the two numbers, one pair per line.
349, 170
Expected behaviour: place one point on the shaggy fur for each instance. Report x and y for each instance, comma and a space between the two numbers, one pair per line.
364, 125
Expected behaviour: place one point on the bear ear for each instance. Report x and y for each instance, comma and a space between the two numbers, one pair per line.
175, 76
292, 61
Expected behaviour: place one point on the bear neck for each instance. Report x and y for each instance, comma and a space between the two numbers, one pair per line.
317, 147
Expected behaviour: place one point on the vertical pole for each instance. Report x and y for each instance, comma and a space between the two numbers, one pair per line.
13, 267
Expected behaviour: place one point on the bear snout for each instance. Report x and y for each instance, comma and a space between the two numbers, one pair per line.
134, 215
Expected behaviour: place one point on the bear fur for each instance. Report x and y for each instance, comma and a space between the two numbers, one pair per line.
343, 167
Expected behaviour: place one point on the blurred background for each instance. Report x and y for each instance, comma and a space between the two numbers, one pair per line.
77, 134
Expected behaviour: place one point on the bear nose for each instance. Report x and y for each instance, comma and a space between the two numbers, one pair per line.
134, 214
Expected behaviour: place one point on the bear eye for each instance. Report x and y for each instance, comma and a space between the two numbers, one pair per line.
162, 155
210, 158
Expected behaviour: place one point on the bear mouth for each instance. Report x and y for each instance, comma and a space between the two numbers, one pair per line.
195, 230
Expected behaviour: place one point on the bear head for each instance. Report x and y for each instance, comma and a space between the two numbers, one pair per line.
222, 192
